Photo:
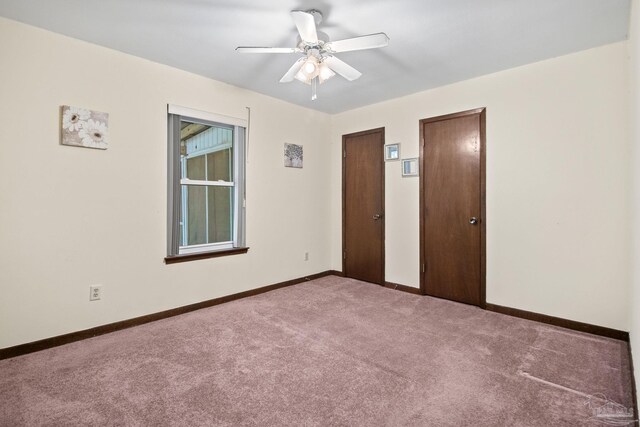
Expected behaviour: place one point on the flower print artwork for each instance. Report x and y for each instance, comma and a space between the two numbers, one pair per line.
73, 117
93, 134
292, 155
84, 128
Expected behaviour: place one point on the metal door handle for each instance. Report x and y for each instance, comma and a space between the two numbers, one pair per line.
473, 220
377, 217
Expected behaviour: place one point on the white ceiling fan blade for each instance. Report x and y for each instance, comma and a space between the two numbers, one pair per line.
251, 49
370, 41
289, 75
342, 68
306, 24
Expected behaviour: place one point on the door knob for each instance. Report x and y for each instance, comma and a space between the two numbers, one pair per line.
377, 217
473, 220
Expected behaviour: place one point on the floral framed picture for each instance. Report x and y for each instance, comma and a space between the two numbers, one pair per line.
292, 155
392, 152
84, 128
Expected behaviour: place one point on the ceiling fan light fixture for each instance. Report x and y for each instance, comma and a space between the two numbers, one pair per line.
309, 67
325, 73
301, 76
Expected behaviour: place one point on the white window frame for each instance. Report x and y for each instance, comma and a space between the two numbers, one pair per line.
176, 115
183, 202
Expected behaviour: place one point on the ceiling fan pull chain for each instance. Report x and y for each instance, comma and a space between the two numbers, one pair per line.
314, 89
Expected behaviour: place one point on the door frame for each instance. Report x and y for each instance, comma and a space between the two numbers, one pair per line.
483, 223
379, 130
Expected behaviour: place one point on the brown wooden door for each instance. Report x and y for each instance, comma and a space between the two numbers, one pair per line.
452, 207
363, 205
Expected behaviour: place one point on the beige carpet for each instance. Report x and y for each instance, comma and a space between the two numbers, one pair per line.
333, 351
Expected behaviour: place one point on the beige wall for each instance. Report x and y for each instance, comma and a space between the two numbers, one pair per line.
634, 72
558, 180
557, 183
71, 217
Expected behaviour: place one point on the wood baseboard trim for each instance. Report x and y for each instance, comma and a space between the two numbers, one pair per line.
558, 321
403, 288
390, 285
59, 340
523, 314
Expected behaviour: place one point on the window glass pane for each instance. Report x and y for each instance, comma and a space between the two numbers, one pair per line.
220, 203
209, 215
219, 166
196, 168
193, 215
207, 150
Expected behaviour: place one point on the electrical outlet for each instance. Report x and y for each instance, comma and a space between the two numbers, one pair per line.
95, 292
306, 256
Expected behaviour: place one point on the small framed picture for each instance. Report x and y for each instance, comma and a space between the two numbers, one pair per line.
81, 127
410, 167
292, 155
392, 152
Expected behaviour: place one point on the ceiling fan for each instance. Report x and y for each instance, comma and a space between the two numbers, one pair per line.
318, 63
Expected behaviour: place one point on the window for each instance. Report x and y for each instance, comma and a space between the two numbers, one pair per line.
206, 184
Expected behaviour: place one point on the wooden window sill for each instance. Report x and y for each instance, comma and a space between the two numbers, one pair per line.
204, 255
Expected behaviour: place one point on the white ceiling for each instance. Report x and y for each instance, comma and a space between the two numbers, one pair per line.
433, 42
